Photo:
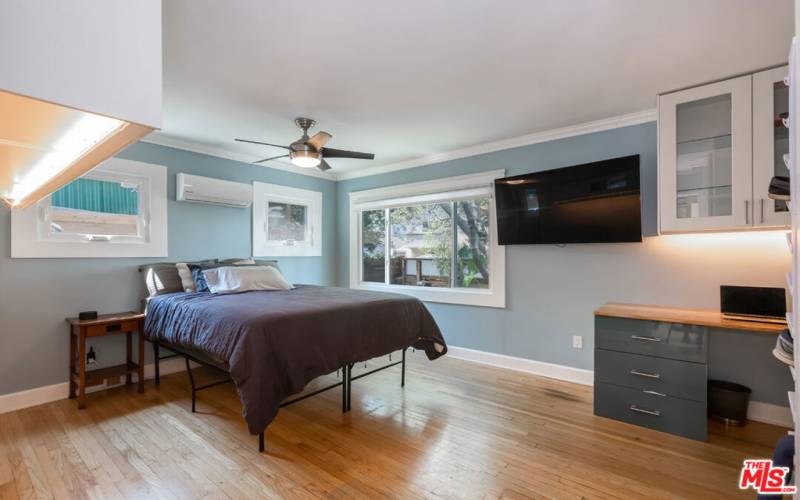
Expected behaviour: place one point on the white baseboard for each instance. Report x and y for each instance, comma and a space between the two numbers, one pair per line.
541, 368
54, 392
770, 414
756, 411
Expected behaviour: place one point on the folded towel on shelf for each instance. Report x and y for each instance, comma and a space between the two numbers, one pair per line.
784, 347
786, 341
779, 188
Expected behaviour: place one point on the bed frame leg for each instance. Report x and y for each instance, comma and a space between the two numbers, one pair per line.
344, 389
191, 381
349, 385
403, 370
157, 363
261, 442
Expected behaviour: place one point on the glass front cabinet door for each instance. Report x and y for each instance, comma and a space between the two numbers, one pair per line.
704, 157
770, 144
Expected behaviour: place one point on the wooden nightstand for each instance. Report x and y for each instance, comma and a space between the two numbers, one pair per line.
105, 324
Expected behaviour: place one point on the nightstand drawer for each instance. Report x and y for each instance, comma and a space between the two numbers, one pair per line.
662, 413
105, 329
680, 379
651, 338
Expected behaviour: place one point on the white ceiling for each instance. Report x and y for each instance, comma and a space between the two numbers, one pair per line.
410, 79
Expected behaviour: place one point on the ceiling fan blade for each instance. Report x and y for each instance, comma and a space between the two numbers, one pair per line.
319, 139
341, 153
271, 158
323, 165
264, 144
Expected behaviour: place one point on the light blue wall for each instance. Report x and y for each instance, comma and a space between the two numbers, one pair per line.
553, 291
37, 294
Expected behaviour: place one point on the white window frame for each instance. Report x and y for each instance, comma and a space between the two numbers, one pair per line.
263, 194
451, 188
31, 238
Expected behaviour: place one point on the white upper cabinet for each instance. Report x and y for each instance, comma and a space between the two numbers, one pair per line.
704, 157
719, 145
770, 144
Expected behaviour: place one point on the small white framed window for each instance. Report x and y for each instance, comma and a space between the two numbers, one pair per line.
435, 240
286, 221
118, 209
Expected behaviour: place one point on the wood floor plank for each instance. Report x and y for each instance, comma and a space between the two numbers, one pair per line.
457, 430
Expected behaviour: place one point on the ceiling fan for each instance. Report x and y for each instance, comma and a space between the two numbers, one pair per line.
310, 152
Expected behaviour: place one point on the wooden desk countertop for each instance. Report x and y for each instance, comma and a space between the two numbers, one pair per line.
685, 315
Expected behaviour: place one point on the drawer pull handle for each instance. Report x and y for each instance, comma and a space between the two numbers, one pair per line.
645, 374
648, 339
654, 413
654, 393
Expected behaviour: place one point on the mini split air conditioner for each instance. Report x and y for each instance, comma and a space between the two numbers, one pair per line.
197, 189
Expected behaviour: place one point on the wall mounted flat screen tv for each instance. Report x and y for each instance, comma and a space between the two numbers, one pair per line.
598, 202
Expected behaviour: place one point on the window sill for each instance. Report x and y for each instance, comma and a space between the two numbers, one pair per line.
465, 297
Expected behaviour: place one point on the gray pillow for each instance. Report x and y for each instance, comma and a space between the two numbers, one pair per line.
161, 278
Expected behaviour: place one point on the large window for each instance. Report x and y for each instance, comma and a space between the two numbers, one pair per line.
434, 240
286, 221
116, 210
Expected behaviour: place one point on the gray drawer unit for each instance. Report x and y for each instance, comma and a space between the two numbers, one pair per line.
652, 338
663, 413
682, 379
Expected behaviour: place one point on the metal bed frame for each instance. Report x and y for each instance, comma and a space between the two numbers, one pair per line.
346, 382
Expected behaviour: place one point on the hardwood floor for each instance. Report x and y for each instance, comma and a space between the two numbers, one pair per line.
457, 430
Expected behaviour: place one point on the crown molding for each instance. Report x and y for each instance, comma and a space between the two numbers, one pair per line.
171, 142
637, 118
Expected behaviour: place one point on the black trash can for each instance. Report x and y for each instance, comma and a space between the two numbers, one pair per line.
727, 402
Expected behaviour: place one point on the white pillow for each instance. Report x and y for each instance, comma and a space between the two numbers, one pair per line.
245, 278
186, 277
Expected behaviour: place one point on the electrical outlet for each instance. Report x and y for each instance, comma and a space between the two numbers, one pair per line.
577, 342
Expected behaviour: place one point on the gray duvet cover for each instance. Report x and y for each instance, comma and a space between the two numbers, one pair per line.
274, 342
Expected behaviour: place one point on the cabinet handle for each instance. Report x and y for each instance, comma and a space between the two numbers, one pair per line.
762, 210
747, 211
654, 393
649, 339
654, 413
645, 374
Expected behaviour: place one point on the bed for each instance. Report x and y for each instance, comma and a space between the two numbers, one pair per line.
273, 343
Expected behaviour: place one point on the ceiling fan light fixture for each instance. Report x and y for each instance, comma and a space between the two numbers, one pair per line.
305, 159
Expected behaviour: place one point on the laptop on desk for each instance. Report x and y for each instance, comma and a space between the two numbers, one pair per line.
753, 303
